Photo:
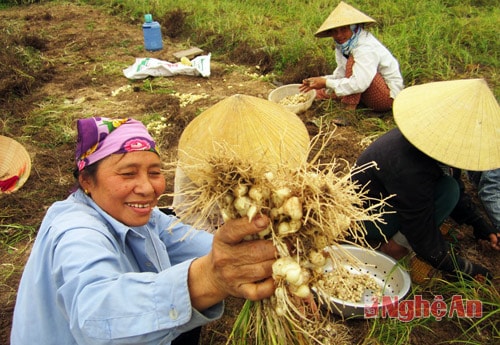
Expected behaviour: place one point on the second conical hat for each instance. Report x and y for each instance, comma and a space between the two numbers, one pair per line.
342, 15
455, 122
253, 129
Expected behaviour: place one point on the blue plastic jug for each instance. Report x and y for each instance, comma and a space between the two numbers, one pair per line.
152, 34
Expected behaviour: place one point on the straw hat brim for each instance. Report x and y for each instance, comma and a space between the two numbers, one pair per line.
342, 15
15, 165
455, 122
253, 129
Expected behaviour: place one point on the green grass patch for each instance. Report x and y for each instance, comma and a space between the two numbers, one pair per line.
432, 39
12, 234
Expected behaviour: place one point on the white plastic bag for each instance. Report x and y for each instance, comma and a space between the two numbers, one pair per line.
145, 67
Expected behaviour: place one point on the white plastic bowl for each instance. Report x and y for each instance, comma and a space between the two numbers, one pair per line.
393, 280
288, 90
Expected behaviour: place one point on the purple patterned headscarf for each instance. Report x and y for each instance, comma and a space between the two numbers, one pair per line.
100, 137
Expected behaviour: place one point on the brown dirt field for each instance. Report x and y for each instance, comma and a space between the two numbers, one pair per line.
79, 44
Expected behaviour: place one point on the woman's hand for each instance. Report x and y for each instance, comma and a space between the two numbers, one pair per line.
313, 83
234, 266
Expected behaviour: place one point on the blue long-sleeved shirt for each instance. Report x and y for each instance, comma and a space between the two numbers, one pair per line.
93, 280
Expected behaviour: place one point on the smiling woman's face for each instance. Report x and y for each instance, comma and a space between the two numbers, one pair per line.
127, 186
341, 34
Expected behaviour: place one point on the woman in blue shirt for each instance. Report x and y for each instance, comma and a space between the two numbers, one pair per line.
108, 267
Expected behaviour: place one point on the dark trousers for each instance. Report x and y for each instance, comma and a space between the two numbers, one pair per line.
191, 337
431, 245
446, 198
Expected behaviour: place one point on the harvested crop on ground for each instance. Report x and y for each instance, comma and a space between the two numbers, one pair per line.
293, 99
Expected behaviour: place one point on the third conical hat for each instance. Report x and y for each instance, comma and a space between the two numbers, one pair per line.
342, 15
250, 128
455, 122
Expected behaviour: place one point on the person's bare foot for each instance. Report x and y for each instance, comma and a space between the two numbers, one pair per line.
349, 106
394, 250
322, 94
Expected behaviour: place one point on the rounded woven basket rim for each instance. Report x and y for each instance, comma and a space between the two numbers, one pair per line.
14, 161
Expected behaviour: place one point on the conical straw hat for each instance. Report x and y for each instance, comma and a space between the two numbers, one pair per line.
342, 15
15, 165
455, 122
253, 129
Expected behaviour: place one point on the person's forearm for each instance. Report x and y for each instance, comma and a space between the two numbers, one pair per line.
203, 292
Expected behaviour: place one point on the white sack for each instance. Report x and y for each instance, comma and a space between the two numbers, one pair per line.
145, 67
